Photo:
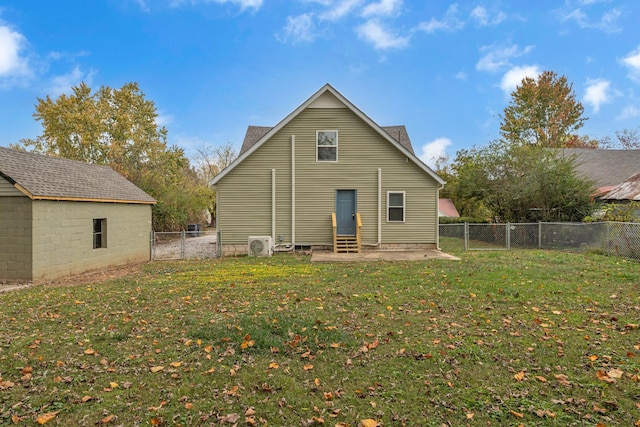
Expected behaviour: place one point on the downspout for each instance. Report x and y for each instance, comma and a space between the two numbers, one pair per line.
379, 242
379, 207
273, 204
293, 191
438, 217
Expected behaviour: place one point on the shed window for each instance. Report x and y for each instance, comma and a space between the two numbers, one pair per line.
395, 206
99, 233
327, 146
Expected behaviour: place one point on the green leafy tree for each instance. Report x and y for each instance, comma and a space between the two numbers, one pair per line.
521, 183
542, 112
118, 128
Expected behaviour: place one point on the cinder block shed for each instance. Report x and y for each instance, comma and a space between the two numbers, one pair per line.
60, 217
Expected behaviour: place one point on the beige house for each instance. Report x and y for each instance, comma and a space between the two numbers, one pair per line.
60, 217
327, 176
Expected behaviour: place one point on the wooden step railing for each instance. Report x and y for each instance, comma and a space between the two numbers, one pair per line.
346, 244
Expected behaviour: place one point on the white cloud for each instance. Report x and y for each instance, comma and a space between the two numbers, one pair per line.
340, 10
63, 83
14, 65
431, 151
497, 57
608, 22
382, 8
374, 32
598, 92
450, 22
481, 16
299, 29
632, 61
629, 112
461, 75
515, 75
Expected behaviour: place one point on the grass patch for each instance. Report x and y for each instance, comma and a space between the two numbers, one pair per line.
498, 338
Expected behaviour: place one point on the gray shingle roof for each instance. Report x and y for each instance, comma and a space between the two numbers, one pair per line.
607, 168
254, 133
52, 178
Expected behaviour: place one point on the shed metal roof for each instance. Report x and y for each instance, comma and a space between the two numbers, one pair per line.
42, 177
628, 190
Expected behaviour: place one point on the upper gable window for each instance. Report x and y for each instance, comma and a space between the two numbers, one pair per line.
327, 146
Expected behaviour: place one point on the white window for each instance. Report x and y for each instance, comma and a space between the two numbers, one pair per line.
395, 206
99, 233
327, 146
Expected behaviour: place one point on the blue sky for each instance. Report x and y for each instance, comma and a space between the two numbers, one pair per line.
444, 69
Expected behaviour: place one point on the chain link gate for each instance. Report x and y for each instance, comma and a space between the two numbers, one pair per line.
185, 245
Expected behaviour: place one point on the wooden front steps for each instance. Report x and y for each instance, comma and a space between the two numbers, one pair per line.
346, 245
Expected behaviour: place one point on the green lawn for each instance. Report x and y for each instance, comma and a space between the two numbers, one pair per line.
498, 338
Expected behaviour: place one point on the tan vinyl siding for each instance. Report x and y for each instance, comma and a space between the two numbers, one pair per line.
244, 195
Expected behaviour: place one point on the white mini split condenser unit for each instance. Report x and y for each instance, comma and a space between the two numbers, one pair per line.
260, 246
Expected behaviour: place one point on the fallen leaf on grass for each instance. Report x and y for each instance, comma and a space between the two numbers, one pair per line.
230, 418
563, 379
517, 414
45, 418
615, 373
602, 376
368, 423
106, 419
155, 369
519, 376
308, 367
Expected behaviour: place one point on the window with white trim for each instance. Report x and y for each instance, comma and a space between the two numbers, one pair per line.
327, 145
395, 206
99, 233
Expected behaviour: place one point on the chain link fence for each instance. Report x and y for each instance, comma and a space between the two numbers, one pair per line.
194, 244
611, 238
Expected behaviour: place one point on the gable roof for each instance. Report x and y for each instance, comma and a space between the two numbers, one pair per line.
447, 208
254, 133
628, 190
41, 177
258, 135
607, 168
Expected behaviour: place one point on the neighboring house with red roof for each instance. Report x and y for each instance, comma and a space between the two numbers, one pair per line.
327, 176
61, 217
446, 208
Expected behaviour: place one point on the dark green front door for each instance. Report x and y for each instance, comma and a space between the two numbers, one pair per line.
346, 212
